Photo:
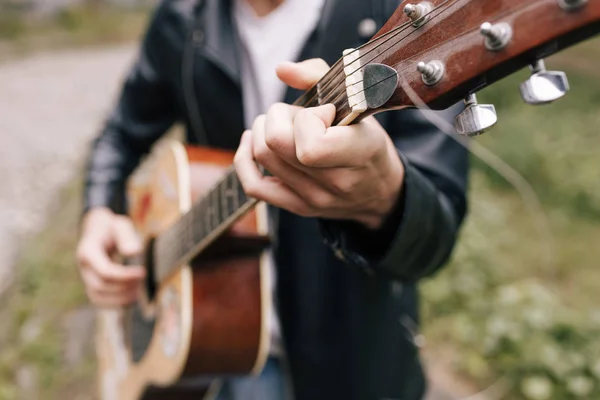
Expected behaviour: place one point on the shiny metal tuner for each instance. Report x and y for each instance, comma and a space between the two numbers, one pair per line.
476, 118
431, 72
544, 86
497, 36
418, 13
572, 5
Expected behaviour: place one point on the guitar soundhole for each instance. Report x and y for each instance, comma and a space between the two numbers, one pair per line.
150, 284
140, 333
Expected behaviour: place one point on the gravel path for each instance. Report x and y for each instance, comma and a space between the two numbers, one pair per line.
51, 105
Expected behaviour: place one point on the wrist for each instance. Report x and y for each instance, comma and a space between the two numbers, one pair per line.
96, 215
392, 185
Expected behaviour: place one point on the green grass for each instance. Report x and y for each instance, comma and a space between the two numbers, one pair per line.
46, 288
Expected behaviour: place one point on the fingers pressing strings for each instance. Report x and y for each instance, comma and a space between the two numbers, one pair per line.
304, 74
266, 188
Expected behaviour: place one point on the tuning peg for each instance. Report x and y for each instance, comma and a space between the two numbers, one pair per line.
544, 86
571, 5
476, 118
418, 13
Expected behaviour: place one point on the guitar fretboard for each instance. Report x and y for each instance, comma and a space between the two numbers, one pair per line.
206, 220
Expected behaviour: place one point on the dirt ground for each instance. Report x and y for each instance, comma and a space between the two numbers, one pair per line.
51, 105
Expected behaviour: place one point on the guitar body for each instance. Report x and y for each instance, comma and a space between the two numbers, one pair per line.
208, 318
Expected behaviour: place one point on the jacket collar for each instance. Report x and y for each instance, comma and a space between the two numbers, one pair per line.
219, 33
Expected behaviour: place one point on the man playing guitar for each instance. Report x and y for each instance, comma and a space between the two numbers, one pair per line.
359, 213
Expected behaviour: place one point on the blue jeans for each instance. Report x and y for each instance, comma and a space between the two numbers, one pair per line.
271, 384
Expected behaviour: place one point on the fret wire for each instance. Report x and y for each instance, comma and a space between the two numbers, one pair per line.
213, 209
223, 199
234, 189
189, 223
371, 47
206, 218
199, 230
339, 86
227, 196
203, 220
209, 212
325, 82
240, 192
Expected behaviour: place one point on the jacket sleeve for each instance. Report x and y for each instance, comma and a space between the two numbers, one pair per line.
420, 232
144, 111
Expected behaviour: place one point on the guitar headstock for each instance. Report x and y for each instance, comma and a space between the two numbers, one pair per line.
447, 50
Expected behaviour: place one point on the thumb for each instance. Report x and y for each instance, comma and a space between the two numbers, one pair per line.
126, 239
326, 113
302, 75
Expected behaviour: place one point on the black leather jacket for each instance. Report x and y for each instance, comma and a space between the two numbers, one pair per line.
348, 322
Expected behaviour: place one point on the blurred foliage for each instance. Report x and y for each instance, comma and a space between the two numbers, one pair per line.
85, 24
11, 25
34, 314
510, 312
554, 146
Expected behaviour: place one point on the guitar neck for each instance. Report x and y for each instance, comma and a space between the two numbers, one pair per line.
227, 202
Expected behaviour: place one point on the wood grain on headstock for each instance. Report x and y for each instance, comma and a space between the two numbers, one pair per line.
452, 35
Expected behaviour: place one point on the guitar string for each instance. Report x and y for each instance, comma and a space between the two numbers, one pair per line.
341, 94
397, 31
500, 16
475, 28
343, 91
499, 389
392, 33
187, 219
338, 94
511, 175
339, 76
338, 67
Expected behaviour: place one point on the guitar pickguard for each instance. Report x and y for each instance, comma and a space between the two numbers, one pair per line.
139, 330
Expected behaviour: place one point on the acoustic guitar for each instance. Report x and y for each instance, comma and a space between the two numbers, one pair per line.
203, 312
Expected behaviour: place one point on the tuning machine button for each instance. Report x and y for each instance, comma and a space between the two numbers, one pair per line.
497, 36
475, 118
571, 5
544, 86
431, 72
418, 13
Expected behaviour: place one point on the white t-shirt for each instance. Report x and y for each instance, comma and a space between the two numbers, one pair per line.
266, 42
